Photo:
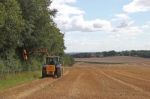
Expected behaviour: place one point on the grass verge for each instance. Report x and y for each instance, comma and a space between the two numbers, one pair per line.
19, 78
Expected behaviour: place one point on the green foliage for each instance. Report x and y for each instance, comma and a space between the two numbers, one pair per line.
2, 15
11, 27
40, 30
27, 24
19, 78
68, 60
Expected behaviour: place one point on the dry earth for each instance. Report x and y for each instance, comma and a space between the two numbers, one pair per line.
116, 59
89, 81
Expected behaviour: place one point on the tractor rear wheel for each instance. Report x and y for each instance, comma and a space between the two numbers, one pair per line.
58, 72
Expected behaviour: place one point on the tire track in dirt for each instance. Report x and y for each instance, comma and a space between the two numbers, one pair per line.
111, 89
24, 90
140, 74
136, 88
83, 87
27, 89
131, 76
59, 89
85, 81
39, 87
87, 85
75, 90
80, 83
139, 83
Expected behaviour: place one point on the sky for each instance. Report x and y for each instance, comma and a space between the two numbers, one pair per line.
103, 25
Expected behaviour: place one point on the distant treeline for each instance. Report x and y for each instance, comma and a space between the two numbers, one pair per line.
138, 53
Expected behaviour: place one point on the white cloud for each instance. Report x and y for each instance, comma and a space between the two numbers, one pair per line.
127, 31
137, 6
71, 18
146, 26
121, 32
64, 8
122, 16
125, 26
89, 43
78, 23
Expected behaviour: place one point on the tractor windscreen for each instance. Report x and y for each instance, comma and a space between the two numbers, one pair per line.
52, 60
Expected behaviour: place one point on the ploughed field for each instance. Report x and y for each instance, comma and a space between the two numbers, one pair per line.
118, 80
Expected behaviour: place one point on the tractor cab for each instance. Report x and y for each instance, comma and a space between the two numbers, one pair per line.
52, 67
52, 60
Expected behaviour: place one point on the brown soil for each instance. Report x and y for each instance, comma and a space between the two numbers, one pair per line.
89, 81
116, 59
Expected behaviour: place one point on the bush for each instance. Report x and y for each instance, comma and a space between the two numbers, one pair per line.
68, 60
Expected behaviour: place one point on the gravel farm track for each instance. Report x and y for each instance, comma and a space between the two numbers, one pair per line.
111, 78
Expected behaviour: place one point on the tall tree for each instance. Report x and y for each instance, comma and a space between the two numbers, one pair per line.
27, 24
11, 24
40, 29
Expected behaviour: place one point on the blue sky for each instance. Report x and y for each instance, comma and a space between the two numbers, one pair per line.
102, 25
101, 8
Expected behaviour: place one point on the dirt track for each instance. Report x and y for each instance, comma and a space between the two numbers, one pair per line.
89, 81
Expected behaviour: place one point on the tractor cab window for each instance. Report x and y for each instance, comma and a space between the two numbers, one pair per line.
50, 61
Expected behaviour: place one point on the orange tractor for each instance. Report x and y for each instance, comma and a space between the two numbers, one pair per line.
52, 64
52, 67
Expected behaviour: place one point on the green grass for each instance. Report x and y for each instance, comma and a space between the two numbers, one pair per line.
19, 78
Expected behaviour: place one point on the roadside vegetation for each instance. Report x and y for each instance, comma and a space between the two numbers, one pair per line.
68, 60
27, 24
8, 81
